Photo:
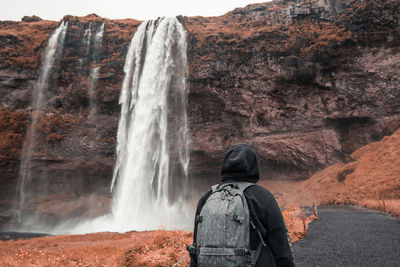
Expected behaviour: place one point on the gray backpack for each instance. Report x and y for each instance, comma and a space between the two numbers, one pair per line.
223, 229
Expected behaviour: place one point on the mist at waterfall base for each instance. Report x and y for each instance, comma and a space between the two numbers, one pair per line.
150, 184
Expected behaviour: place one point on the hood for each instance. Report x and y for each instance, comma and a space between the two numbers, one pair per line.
240, 164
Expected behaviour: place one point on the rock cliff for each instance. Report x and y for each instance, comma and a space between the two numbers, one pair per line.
306, 82
298, 80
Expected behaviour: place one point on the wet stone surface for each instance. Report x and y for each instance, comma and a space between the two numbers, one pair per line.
4, 236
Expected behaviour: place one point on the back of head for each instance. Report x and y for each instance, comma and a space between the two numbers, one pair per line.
240, 164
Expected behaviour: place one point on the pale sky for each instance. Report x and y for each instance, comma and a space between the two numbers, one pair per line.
117, 9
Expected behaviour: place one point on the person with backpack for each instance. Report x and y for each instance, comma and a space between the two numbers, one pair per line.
239, 223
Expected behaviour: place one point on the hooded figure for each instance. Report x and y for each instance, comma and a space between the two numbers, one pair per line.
241, 165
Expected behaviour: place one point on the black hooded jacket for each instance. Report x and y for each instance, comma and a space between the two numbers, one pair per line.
241, 164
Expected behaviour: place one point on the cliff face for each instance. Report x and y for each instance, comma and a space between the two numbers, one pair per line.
75, 151
306, 82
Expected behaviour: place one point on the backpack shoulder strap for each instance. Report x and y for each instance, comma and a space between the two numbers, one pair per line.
214, 187
239, 185
244, 185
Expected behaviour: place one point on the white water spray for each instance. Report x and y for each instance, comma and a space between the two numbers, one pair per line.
98, 39
87, 36
150, 180
53, 53
94, 72
94, 76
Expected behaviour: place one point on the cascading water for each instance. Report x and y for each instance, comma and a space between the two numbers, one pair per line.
87, 36
98, 39
150, 180
94, 72
53, 53
94, 76
152, 140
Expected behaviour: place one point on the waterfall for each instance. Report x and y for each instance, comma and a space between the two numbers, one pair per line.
98, 39
87, 36
152, 152
53, 54
94, 72
94, 75
150, 181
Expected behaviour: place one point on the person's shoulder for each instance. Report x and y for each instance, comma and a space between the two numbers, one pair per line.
205, 195
258, 190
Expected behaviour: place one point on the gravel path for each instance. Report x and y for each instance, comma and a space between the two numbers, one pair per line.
350, 236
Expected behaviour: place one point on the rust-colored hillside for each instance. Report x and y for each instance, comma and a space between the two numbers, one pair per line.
371, 178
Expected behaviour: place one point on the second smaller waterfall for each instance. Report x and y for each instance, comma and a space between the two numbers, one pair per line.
26, 188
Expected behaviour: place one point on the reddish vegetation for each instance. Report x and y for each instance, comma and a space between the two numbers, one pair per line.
12, 121
149, 248
371, 179
11, 128
50, 123
295, 224
10, 145
159, 248
54, 137
280, 38
20, 41
155, 248
54, 125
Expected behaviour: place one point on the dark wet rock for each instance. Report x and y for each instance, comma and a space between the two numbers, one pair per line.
31, 18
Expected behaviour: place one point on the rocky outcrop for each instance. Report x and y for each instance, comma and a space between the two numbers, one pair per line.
31, 19
306, 82
303, 89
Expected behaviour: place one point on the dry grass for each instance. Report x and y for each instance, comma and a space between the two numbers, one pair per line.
12, 124
372, 180
147, 249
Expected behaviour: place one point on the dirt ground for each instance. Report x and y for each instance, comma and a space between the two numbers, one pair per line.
152, 248
148, 248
